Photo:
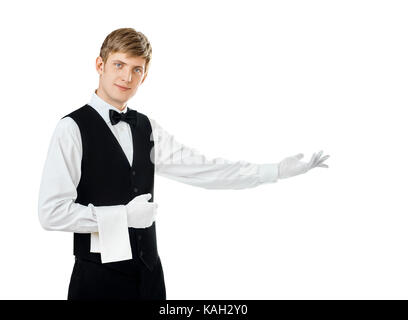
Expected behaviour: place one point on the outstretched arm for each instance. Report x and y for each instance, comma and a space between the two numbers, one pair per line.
176, 161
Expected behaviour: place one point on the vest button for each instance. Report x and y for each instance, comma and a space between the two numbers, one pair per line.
135, 189
134, 173
141, 253
139, 237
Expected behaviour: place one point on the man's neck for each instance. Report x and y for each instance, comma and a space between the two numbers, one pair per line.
105, 98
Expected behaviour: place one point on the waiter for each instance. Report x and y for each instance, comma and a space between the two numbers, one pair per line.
98, 178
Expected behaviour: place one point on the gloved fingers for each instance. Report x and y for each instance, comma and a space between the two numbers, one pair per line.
311, 161
138, 210
314, 162
318, 157
141, 214
138, 205
143, 205
323, 165
322, 160
142, 198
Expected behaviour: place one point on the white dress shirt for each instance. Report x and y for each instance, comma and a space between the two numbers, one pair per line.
58, 211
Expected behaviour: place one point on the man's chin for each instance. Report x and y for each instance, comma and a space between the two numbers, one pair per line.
122, 99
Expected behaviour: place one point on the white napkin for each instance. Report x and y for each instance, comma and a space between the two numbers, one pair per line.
112, 239
95, 242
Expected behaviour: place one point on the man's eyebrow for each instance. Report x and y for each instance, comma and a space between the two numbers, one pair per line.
124, 63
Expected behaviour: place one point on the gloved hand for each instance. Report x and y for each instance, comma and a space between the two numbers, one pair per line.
292, 166
140, 212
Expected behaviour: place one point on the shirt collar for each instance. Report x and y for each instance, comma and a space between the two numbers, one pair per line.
102, 107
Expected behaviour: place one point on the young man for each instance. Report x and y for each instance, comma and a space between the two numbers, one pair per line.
98, 178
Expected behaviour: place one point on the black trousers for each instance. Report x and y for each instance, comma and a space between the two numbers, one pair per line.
93, 281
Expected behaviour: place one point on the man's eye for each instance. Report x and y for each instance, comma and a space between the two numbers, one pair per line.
118, 64
138, 70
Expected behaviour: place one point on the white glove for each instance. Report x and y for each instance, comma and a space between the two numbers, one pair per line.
140, 212
292, 166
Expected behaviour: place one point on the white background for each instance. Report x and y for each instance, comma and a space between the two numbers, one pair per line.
244, 80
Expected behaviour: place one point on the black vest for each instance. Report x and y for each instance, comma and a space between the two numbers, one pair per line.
107, 179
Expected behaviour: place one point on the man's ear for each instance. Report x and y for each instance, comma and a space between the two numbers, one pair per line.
99, 65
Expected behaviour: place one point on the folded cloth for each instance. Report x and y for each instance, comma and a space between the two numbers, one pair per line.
95, 247
112, 239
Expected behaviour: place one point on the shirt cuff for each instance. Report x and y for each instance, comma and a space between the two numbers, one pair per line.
113, 235
268, 172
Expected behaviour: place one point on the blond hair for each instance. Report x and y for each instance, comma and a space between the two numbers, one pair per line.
129, 41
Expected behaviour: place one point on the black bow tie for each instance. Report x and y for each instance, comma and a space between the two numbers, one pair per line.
129, 117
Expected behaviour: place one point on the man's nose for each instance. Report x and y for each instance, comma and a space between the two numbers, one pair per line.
127, 76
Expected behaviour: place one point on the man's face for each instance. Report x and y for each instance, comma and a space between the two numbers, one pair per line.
120, 77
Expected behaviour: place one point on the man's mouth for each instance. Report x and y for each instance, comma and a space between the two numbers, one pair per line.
121, 88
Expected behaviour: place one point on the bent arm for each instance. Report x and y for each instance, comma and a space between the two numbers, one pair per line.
57, 209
